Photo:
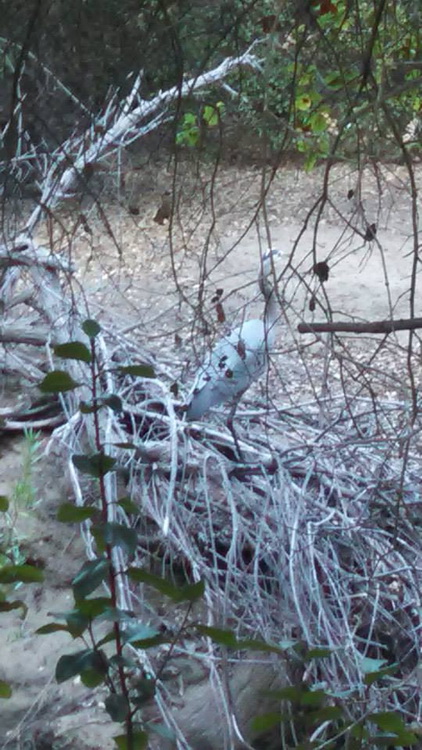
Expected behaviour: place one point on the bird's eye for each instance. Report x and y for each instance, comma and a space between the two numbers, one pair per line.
228, 373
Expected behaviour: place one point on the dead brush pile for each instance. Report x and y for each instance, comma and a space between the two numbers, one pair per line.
313, 538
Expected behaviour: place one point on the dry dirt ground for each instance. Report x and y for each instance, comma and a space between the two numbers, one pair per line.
144, 278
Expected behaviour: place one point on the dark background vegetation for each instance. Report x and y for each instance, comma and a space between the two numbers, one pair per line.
353, 63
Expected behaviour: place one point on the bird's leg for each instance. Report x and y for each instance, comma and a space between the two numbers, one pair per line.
230, 426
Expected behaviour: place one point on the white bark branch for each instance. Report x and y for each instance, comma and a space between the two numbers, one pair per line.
25, 253
126, 128
13, 334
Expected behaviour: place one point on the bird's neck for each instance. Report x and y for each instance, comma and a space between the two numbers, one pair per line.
267, 291
271, 310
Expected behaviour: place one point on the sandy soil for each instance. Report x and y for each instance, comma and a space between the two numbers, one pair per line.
130, 270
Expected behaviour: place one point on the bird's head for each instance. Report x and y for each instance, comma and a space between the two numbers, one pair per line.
270, 257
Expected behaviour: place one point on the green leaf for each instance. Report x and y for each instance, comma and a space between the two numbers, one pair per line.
95, 465
389, 721
114, 403
318, 122
58, 381
117, 706
87, 407
178, 594
192, 136
266, 721
145, 643
128, 505
313, 697
139, 632
8, 606
69, 513
115, 614
83, 613
5, 689
91, 678
70, 665
4, 504
91, 328
189, 132
325, 713
258, 645
90, 576
218, 635
111, 636
303, 103
139, 741
310, 162
210, 116
145, 690
191, 592
22, 573
142, 636
360, 732
95, 607
51, 628
116, 535
334, 81
77, 622
372, 677
73, 350
228, 638
140, 371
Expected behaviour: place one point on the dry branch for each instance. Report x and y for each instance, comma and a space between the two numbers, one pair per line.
36, 424
26, 253
376, 326
313, 529
13, 334
128, 124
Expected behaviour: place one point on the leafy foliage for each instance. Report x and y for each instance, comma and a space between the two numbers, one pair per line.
73, 350
57, 381
333, 71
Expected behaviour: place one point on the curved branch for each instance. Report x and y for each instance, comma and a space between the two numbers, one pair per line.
130, 121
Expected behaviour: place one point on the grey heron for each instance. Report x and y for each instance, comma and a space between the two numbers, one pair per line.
239, 358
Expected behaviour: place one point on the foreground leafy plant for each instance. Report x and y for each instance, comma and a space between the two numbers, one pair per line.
323, 718
128, 686
14, 571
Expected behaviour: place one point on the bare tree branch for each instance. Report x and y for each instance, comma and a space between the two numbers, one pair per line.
13, 334
126, 127
376, 326
39, 256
